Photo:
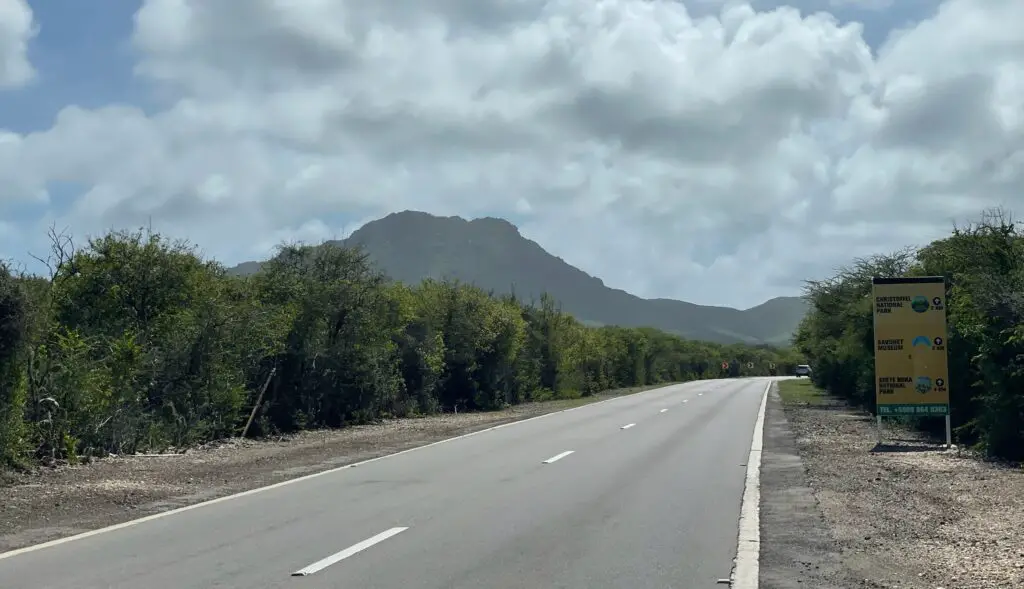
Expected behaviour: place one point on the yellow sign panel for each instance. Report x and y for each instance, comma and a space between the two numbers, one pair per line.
911, 368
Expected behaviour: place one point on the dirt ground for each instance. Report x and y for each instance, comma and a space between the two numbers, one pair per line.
909, 514
50, 503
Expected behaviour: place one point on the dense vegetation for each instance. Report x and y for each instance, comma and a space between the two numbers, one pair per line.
984, 264
136, 342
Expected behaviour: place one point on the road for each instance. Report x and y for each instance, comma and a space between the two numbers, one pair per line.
637, 492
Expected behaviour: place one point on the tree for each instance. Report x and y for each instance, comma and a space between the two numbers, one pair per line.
13, 324
137, 342
984, 265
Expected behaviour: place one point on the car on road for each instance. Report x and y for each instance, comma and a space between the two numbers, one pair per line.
803, 370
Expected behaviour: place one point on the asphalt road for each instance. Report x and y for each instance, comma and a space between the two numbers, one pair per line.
654, 505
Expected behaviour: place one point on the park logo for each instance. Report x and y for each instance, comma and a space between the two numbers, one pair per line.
919, 304
923, 384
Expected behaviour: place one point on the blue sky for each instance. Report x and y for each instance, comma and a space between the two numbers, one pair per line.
220, 117
83, 56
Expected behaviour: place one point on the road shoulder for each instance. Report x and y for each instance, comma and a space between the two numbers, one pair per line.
911, 515
796, 547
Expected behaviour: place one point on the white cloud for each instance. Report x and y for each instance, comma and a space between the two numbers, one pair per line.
717, 159
16, 30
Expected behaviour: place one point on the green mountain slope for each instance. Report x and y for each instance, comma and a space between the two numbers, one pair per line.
411, 246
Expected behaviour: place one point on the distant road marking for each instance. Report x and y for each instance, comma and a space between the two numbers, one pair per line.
700, 394
746, 573
686, 400
663, 410
558, 457
628, 425
342, 555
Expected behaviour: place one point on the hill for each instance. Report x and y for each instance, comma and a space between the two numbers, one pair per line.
410, 246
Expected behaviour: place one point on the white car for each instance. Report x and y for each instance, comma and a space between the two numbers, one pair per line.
803, 370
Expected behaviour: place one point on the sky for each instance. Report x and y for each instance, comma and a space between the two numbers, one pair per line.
713, 151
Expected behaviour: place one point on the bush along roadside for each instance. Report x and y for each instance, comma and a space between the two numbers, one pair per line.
984, 265
136, 343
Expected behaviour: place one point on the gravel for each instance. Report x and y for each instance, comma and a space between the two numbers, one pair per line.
911, 514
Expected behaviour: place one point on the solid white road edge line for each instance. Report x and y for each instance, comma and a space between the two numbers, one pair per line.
342, 555
628, 425
746, 572
558, 457
135, 522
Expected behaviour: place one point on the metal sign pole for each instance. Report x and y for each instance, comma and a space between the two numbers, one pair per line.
949, 431
874, 330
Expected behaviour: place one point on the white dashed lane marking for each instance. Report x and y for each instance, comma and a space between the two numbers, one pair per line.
351, 550
558, 457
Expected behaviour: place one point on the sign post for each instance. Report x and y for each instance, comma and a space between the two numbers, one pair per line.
911, 366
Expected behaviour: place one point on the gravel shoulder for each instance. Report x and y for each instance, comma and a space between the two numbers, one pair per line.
47, 503
910, 515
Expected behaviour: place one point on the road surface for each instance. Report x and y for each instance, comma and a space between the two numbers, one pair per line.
637, 492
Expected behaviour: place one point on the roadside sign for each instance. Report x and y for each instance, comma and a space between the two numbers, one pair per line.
911, 367
725, 366
750, 365
771, 365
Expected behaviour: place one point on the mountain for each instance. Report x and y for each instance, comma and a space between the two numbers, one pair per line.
411, 246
